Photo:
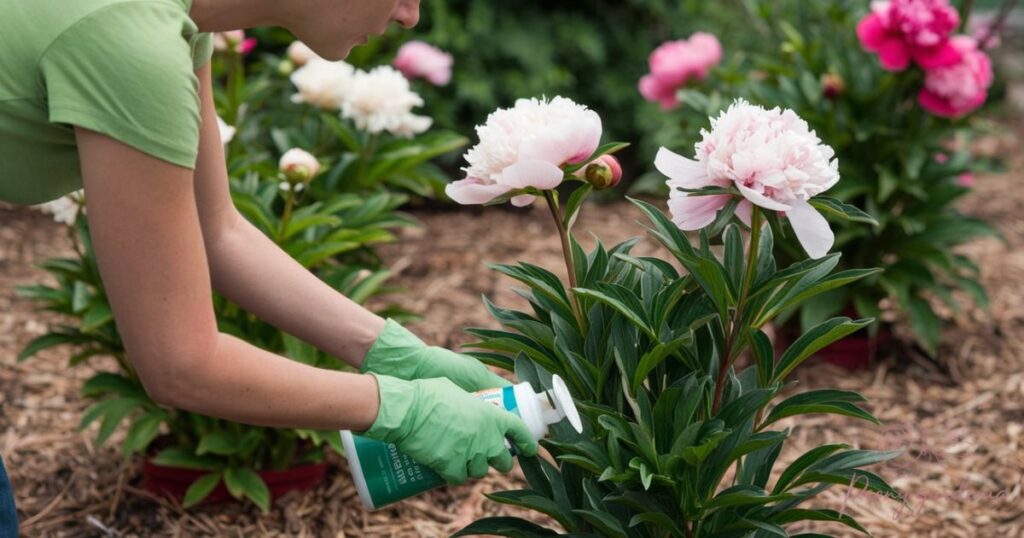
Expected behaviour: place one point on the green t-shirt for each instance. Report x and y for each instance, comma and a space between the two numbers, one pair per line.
124, 68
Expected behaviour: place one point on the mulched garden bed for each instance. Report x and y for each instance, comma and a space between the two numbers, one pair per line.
960, 422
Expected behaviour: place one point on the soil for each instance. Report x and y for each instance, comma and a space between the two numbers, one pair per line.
960, 425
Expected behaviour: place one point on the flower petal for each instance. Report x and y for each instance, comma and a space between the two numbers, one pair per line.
523, 200
532, 173
471, 191
760, 199
744, 211
695, 212
683, 172
811, 229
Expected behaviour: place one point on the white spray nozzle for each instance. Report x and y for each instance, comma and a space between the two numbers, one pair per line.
562, 405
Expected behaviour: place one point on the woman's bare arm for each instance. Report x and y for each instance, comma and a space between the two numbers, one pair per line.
251, 270
149, 242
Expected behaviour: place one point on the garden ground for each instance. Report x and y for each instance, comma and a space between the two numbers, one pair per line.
961, 424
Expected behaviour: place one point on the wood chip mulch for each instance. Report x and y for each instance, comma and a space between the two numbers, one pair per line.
960, 423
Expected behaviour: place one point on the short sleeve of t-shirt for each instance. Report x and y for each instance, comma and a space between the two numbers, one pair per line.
127, 71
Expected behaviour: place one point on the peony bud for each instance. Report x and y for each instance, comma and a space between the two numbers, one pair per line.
299, 166
603, 172
832, 86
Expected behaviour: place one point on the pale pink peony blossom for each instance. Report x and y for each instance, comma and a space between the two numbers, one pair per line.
419, 59
381, 100
901, 31
227, 132
961, 88
300, 54
526, 146
771, 157
322, 83
676, 63
298, 165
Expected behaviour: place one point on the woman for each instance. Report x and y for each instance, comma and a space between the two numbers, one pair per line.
115, 96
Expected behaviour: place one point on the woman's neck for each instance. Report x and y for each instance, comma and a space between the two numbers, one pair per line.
224, 15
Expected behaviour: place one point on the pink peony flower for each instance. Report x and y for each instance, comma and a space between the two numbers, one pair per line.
965, 180
904, 30
233, 40
771, 157
526, 146
960, 88
298, 165
420, 59
675, 63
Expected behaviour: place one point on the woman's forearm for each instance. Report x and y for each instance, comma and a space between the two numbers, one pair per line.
243, 383
252, 271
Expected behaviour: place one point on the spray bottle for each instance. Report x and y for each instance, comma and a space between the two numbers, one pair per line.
383, 475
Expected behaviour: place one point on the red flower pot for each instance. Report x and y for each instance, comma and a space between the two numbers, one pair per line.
175, 481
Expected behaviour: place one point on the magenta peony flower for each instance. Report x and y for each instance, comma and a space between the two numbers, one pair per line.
526, 146
965, 180
771, 157
675, 63
955, 90
419, 59
904, 30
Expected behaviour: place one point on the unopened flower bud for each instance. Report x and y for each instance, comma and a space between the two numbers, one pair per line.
299, 166
832, 85
604, 172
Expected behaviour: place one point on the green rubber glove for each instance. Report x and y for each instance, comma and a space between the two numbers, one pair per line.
400, 353
446, 428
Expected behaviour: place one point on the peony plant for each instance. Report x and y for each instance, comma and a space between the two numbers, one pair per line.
682, 392
334, 238
893, 88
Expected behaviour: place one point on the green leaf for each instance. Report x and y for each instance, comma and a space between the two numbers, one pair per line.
603, 522
734, 262
97, 316
242, 481
659, 520
106, 382
512, 527
80, 297
764, 355
112, 411
186, 459
623, 301
927, 326
837, 402
797, 514
572, 207
798, 466
840, 209
814, 340
220, 442
654, 357
532, 500
201, 488
743, 496
45, 341
142, 433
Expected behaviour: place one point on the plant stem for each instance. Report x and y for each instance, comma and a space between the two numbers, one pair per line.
365, 153
570, 266
997, 25
289, 203
731, 349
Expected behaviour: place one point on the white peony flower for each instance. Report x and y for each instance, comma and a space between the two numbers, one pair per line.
526, 146
322, 83
65, 208
771, 156
227, 132
380, 100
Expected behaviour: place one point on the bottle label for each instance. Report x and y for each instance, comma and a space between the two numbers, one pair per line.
392, 476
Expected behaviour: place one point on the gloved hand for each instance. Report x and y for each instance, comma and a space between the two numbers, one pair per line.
446, 428
400, 353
